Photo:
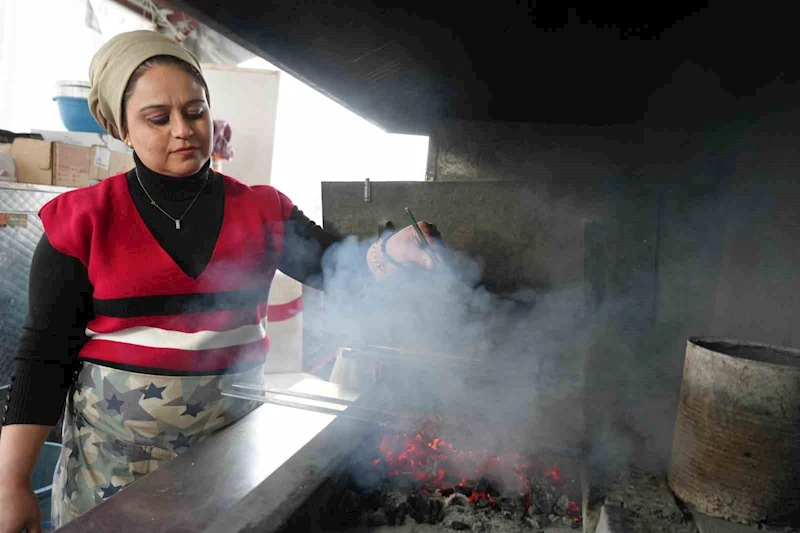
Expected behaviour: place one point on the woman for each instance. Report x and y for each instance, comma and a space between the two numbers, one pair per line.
149, 290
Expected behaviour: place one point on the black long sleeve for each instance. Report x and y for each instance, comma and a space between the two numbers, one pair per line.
59, 308
304, 245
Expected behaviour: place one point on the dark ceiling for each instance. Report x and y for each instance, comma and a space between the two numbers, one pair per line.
406, 68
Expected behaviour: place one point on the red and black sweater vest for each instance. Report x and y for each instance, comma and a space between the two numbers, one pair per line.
149, 315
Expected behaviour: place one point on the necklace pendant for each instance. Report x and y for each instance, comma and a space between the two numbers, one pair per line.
177, 224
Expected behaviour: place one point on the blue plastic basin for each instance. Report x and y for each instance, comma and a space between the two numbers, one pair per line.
76, 116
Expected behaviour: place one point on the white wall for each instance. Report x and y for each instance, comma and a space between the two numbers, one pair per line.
248, 100
317, 140
42, 42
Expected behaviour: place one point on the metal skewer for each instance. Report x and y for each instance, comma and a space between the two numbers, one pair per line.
314, 397
402, 353
285, 392
423, 240
301, 406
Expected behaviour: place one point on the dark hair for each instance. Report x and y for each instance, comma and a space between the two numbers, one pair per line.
160, 61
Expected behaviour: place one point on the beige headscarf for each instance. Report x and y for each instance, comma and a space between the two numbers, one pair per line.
114, 64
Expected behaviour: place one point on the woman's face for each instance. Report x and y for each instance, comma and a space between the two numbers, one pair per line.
168, 122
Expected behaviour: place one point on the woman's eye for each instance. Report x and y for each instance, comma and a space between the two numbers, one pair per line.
158, 121
194, 115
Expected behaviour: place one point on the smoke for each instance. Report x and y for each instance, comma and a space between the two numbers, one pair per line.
513, 365
546, 368
704, 247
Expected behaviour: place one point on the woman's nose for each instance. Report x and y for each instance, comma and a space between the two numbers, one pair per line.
181, 128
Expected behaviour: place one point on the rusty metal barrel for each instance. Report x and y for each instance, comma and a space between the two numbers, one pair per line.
736, 449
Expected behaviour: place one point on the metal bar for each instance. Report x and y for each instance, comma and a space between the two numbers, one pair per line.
314, 397
400, 355
302, 406
33, 187
285, 392
417, 353
27, 213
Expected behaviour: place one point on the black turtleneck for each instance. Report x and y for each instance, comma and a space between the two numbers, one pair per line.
191, 246
60, 294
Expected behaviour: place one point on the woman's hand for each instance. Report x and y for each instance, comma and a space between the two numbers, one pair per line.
20, 508
19, 447
404, 249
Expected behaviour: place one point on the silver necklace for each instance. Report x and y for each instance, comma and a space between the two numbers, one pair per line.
177, 221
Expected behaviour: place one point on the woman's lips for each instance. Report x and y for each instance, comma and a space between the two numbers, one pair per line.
186, 151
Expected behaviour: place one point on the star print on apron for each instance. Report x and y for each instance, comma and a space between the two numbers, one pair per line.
121, 425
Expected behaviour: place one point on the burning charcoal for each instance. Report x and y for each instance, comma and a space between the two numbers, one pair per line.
446, 492
536, 523
457, 500
482, 504
466, 490
459, 519
575, 524
552, 518
512, 507
511, 502
404, 481
541, 500
371, 499
377, 518
351, 503
393, 499
426, 509
437, 504
395, 506
429, 466
488, 486
562, 505
348, 512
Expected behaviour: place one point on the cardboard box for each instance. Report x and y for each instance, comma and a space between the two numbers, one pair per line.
120, 163
101, 161
106, 163
87, 140
71, 165
34, 161
8, 170
66, 165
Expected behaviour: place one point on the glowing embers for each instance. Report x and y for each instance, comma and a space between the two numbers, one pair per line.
432, 480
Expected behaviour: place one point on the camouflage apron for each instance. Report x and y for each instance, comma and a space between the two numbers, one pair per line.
120, 425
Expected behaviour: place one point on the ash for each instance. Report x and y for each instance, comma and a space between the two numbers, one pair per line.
481, 509
496, 527
398, 511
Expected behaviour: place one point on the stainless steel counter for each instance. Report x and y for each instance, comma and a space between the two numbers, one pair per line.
250, 476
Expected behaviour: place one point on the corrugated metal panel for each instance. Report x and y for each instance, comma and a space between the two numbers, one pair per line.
17, 243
